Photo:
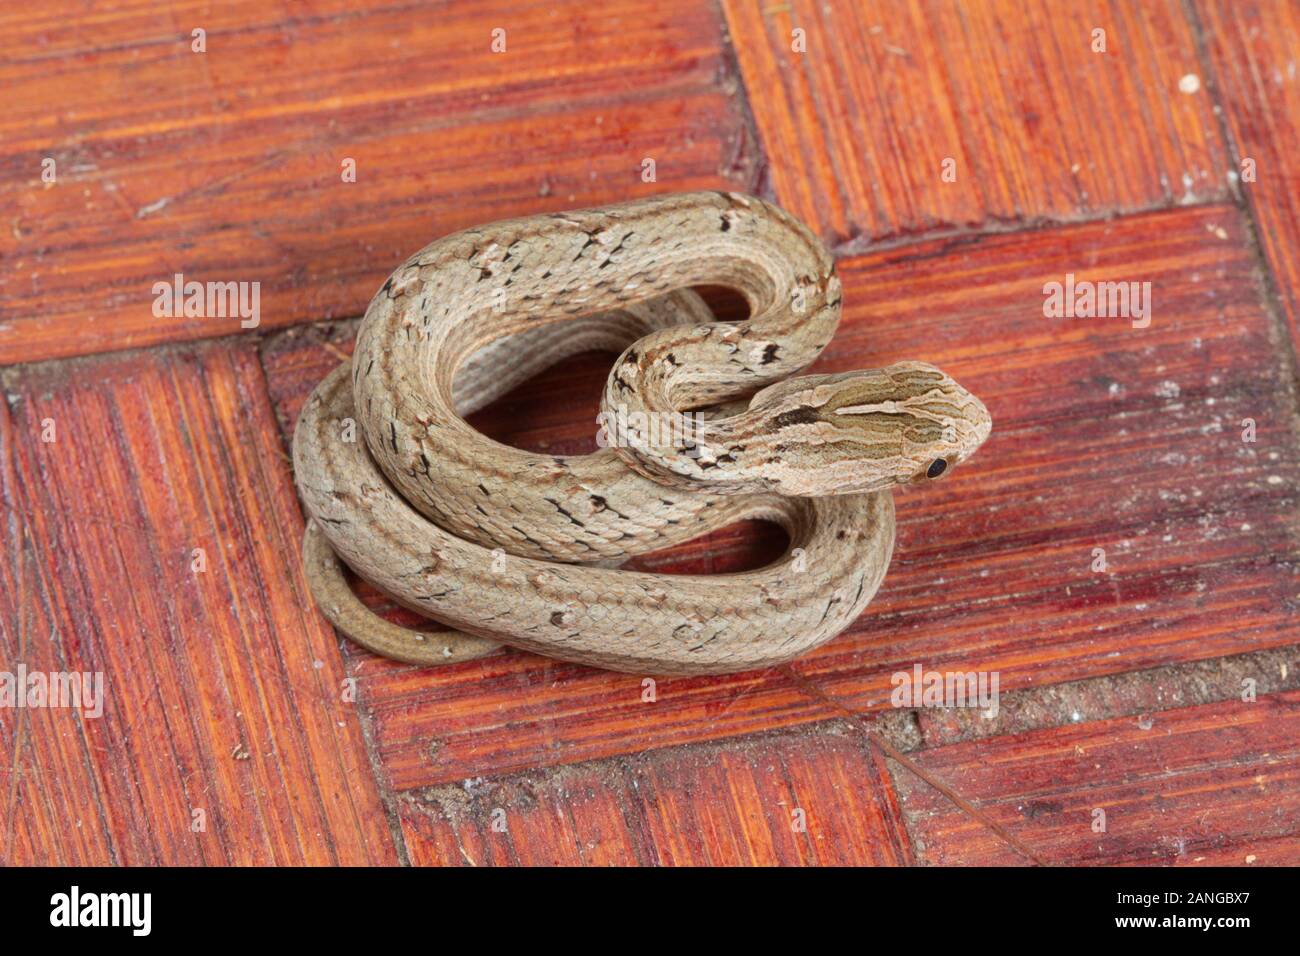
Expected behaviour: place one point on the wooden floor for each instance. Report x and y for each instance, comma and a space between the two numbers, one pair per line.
1150, 712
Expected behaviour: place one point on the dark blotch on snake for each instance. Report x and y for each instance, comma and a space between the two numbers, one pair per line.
804, 415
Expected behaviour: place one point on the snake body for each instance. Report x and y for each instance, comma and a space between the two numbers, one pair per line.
507, 546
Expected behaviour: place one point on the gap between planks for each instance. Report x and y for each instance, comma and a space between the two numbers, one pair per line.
1271, 291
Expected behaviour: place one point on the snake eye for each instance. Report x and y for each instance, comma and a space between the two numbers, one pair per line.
936, 468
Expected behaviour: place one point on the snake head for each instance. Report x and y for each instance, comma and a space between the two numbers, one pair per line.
864, 431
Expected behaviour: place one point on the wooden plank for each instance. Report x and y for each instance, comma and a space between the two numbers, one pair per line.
1255, 851
857, 128
992, 567
1105, 436
227, 165
223, 687
223, 691
1252, 50
1214, 784
819, 797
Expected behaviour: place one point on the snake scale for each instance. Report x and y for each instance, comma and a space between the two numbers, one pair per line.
512, 547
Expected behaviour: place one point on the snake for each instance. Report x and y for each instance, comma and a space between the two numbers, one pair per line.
704, 423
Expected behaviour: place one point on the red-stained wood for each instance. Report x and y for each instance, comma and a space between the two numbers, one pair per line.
1252, 49
1256, 851
223, 690
227, 165
993, 564
1215, 784
1038, 125
820, 796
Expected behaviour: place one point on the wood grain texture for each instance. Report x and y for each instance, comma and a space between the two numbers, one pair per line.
1216, 784
1252, 52
730, 805
223, 690
1141, 425
226, 165
223, 687
857, 128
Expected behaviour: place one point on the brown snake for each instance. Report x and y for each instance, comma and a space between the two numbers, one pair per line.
512, 547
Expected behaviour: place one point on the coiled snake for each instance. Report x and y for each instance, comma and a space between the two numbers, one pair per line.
512, 547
